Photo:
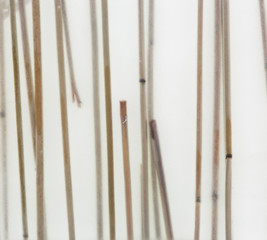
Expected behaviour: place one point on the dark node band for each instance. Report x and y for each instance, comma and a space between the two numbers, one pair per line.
214, 196
142, 80
198, 199
229, 155
2, 114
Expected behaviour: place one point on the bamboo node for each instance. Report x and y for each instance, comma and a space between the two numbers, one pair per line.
142, 80
198, 199
229, 155
2, 114
215, 196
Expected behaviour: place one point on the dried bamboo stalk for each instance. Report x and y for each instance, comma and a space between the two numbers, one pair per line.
4, 166
199, 120
97, 119
264, 35
64, 118
228, 124
28, 70
161, 178
105, 27
75, 92
142, 201
127, 171
216, 126
18, 116
150, 78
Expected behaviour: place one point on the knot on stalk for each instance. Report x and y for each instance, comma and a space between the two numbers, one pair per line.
198, 199
229, 155
214, 196
142, 80
2, 114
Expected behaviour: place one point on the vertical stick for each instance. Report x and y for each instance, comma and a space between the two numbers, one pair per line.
3, 125
161, 177
216, 126
105, 26
199, 120
41, 224
142, 201
75, 93
228, 124
264, 34
64, 118
28, 70
18, 116
127, 172
150, 78
97, 118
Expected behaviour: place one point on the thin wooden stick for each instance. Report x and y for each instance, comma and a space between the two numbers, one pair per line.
75, 92
142, 201
216, 127
199, 120
228, 124
18, 117
161, 178
264, 35
144, 122
28, 70
127, 171
105, 27
150, 78
64, 118
3, 125
97, 118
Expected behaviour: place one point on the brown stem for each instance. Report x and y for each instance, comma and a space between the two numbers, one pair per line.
28, 70
199, 120
105, 27
75, 92
127, 171
97, 118
18, 116
161, 178
216, 126
3, 124
64, 118
228, 127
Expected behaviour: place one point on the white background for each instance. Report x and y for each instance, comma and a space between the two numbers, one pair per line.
175, 112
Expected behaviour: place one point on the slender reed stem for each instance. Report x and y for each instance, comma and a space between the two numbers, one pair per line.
3, 125
127, 171
97, 118
142, 201
161, 178
228, 124
216, 126
28, 70
64, 118
18, 116
150, 78
75, 92
264, 35
199, 120
105, 27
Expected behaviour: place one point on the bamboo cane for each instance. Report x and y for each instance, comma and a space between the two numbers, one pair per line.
216, 126
199, 120
161, 178
18, 117
64, 118
228, 124
127, 172
97, 118
264, 35
105, 27
75, 92
150, 78
28, 70
142, 201
3, 125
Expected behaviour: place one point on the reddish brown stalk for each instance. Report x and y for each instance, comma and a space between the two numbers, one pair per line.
228, 124
75, 92
264, 35
161, 178
64, 118
127, 172
18, 117
97, 118
3, 121
28, 70
199, 120
216, 126
105, 27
